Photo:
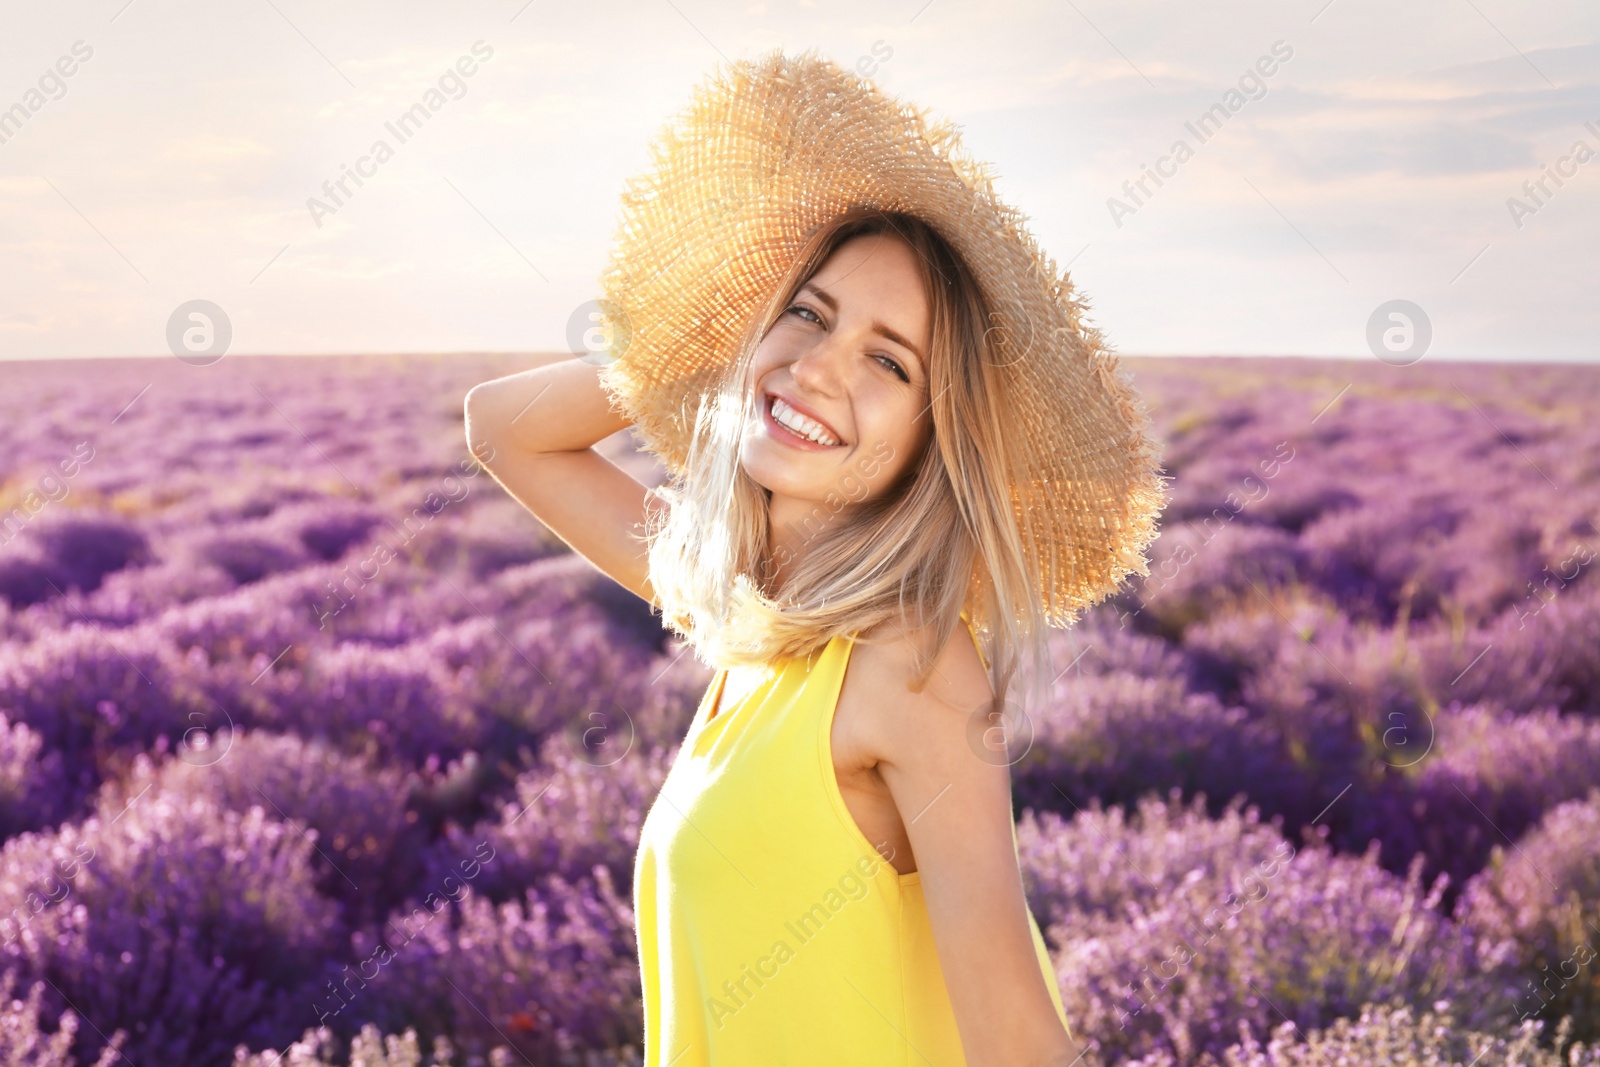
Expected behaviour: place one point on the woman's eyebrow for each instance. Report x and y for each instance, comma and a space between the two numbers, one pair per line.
877, 325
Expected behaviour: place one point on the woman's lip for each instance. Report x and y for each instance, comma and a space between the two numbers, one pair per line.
781, 433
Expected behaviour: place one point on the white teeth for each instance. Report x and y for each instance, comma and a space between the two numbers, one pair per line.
808, 428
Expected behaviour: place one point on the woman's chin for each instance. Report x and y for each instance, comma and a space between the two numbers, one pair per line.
771, 466
776, 477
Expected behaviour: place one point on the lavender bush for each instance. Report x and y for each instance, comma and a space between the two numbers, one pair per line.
92, 695
1171, 931
1398, 1036
28, 577
319, 1048
367, 838
1543, 900
553, 973
186, 926
567, 815
25, 1043
1113, 735
1481, 777
33, 787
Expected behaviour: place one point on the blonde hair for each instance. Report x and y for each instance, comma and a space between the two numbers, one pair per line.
913, 553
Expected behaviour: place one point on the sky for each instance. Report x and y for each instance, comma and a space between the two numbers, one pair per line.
1440, 152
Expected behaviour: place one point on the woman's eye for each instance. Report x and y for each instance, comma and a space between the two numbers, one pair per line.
896, 368
795, 309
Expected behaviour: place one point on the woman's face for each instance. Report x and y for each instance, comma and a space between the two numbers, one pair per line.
851, 352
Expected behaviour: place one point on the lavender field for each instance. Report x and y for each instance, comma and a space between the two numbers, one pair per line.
315, 748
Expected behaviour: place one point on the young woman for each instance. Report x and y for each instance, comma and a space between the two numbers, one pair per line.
829, 874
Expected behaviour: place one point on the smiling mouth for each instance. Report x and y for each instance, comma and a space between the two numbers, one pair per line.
804, 433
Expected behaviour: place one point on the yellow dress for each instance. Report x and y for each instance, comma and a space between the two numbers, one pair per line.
770, 930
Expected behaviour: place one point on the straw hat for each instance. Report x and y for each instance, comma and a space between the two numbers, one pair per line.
764, 153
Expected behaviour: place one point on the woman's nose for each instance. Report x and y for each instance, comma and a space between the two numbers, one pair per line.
817, 368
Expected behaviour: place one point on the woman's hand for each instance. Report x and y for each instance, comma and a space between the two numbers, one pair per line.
533, 432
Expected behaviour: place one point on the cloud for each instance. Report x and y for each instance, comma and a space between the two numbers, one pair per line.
207, 149
27, 323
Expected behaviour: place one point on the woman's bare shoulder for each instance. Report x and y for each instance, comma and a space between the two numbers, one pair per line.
886, 657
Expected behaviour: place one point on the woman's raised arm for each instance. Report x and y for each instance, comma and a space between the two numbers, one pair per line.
534, 432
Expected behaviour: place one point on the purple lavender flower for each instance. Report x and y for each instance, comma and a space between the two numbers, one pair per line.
566, 816
1480, 777
30, 577
554, 971
249, 557
188, 926
368, 842
1176, 955
89, 546
24, 1041
33, 785
1396, 1036
1541, 902
86, 688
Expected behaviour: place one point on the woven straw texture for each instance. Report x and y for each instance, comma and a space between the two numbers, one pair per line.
767, 150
